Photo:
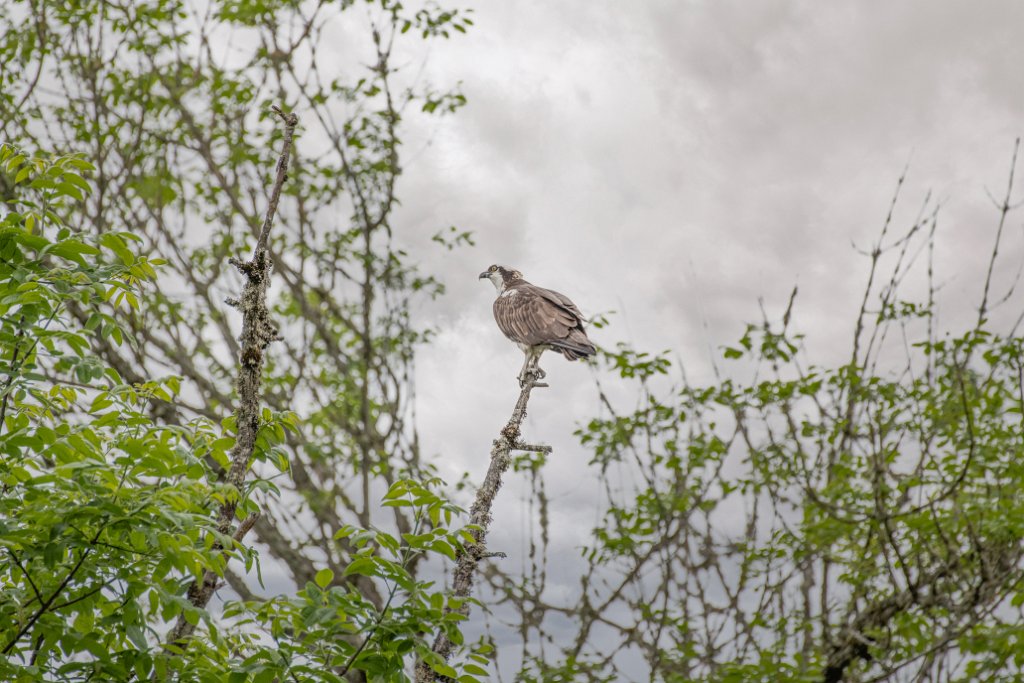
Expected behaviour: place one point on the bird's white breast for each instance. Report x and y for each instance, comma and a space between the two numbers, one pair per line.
508, 292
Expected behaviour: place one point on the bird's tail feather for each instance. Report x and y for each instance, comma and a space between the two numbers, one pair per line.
575, 346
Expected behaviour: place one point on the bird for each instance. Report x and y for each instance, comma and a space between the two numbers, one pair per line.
537, 320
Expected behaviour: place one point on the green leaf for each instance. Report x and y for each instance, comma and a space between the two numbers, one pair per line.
116, 244
70, 190
324, 577
137, 637
444, 669
73, 250
366, 566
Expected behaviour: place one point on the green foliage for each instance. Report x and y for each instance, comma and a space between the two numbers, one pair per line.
878, 506
330, 628
174, 156
107, 514
809, 522
102, 508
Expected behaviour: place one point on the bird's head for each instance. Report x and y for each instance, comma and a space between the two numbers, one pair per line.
501, 277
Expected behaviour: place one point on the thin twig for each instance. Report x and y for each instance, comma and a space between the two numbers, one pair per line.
46, 605
1004, 208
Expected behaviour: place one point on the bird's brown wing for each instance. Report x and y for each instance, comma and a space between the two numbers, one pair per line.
529, 318
575, 343
558, 299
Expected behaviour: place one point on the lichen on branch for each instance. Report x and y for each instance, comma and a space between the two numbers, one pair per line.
257, 333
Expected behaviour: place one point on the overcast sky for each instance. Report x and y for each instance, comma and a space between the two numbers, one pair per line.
675, 161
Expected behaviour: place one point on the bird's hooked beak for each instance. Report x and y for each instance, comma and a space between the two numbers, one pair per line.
484, 276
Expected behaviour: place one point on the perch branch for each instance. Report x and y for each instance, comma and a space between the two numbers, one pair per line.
480, 517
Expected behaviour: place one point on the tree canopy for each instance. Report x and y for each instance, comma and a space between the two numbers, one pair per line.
170, 430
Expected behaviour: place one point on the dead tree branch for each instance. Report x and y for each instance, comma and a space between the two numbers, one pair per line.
257, 334
480, 517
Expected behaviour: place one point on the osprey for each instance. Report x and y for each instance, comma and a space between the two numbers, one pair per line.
536, 319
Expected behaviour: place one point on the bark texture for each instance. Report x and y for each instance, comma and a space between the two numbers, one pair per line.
480, 516
257, 333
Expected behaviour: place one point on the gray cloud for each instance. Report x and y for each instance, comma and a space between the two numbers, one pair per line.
677, 160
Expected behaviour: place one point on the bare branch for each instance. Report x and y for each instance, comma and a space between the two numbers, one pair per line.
257, 334
480, 517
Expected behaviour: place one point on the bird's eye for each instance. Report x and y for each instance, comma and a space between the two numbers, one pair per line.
493, 268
